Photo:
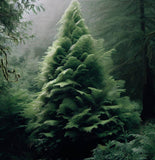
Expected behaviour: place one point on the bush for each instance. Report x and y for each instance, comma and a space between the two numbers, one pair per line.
13, 142
134, 147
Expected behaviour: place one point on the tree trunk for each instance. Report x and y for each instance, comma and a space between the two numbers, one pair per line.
148, 91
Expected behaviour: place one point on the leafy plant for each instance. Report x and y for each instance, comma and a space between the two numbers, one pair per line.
119, 151
133, 147
13, 28
13, 142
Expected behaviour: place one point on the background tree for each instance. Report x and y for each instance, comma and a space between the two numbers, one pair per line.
129, 27
13, 28
79, 103
28, 67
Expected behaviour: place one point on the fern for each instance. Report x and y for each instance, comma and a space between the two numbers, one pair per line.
139, 146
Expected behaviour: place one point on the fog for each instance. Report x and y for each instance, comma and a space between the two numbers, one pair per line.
44, 23
44, 26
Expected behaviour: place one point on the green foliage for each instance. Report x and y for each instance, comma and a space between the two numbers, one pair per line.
147, 140
12, 124
120, 24
78, 103
28, 67
119, 151
13, 28
73, 25
136, 147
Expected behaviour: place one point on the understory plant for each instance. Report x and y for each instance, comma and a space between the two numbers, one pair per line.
13, 141
79, 105
139, 146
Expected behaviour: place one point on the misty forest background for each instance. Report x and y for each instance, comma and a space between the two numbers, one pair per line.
77, 80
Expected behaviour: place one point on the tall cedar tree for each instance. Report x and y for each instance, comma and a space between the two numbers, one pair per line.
128, 26
78, 106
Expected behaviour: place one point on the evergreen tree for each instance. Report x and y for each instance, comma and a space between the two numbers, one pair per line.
129, 27
79, 105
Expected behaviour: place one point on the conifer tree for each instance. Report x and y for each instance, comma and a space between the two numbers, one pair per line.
79, 105
129, 27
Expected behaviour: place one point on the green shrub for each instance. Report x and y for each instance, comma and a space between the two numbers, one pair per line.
13, 142
115, 150
134, 147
